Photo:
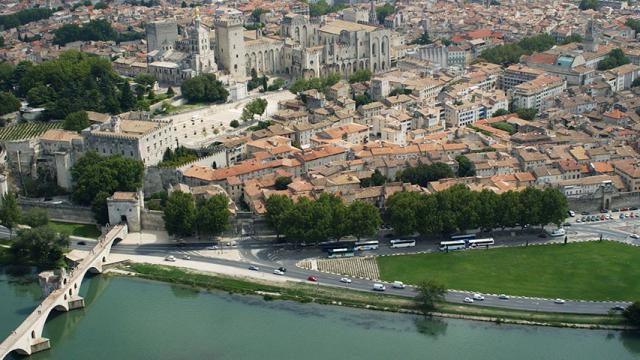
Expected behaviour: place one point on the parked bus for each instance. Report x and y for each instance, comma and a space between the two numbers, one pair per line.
465, 237
481, 242
366, 245
340, 253
453, 245
326, 246
400, 243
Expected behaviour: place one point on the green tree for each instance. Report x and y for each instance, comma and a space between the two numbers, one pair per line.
428, 218
204, 88
8, 103
179, 214
632, 313
383, 11
614, 59
255, 14
100, 6
423, 39
401, 212
429, 293
35, 217
555, 206
425, 173
9, 212
376, 179
500, 112
282, 182
212, 215
234, 124
573, 38
465, 166
488, 211
76, 121
589, 4
363, 219
633, 24
93, 174
527, 113
170, 92
99, 207
40, 246
278, 208
127, 99
360, 76
531, 207
509, 209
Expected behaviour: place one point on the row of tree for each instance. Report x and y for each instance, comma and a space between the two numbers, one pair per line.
615, 58
320, 84
96, 177
204, 88
423, 174
183, 216
181, 155
74, 81
511, 53
313, 221
458, 209
94, 30
23, 17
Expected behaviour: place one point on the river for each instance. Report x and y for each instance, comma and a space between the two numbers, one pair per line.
128, 318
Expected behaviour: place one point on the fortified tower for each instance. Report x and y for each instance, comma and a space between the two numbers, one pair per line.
230, 50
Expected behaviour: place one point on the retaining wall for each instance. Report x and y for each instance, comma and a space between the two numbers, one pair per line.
61, 212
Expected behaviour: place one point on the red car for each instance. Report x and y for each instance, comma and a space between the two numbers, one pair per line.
312, 278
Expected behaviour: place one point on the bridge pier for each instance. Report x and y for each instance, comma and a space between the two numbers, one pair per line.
77, 302
40, 344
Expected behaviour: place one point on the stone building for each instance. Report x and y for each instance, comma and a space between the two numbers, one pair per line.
144, 140
126, 207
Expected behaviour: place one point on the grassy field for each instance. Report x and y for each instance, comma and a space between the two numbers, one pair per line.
83, 230
591, 271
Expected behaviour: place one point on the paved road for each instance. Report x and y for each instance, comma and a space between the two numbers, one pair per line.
293, 272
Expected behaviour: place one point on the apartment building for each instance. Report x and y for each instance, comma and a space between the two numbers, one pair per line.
538, 93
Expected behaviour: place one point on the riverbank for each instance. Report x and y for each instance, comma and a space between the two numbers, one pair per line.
306, 292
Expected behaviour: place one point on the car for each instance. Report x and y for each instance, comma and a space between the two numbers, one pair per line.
468, 300
345, 280
618, 308
170, 258
214, 247
542, 235
609, 217
621, 216
604, 211
503, 297
615, 210
398, 285
558, 232
187, 257
559, 301
283, 269
566, 224
312, 278
631, 215
254, 268
602, 217
572, 213
584, 213
379, 287
278, 272
633, 208
478, 297
82, 243
181, 244
635, 236
578, 221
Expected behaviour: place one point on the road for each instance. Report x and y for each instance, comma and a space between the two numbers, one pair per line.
516, 303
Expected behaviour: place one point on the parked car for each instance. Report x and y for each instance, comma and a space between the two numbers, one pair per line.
345, 280
558, 232
187, 257
254, 268
503, 297
170, 258
283, 269
468, 300
572, 213
278, 272
312, 278
621, 216
578, 221
566, 224
618, 308
559, 301
635, 236
478, 297
584, 213
82, 243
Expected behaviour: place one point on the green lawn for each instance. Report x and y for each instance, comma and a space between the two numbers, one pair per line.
591, 271
83, 230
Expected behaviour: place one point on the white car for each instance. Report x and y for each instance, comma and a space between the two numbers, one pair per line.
170, 258
559, 301
635, 236
345, 280
278, 272
503, 297
478, 297
398, 285
187, 257
214, 247
558, 232
379, 287
468, 300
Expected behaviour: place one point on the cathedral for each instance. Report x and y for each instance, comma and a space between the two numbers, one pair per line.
304, 48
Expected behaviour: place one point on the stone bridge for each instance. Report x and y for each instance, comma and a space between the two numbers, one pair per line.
27, 338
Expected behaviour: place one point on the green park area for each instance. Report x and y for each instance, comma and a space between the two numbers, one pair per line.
590, 270
82, 230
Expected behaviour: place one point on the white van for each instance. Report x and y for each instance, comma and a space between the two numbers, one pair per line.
398, 285
558, 232
379, 287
